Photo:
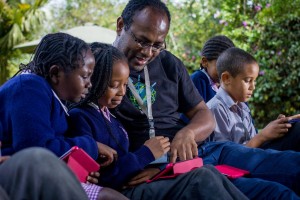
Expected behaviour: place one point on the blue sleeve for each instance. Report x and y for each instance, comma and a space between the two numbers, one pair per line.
87, 121
200, 83
127, 166
37, 120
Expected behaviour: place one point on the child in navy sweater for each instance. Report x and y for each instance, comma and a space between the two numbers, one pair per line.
32, 112
93, 118
206, 79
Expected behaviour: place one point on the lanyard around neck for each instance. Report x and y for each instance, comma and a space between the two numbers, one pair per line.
146, 109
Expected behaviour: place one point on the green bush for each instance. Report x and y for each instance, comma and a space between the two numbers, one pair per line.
268, 29
277, 90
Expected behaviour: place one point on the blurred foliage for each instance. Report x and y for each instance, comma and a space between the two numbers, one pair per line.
278, 51
18, 21
191, 26
269, 30
78, 13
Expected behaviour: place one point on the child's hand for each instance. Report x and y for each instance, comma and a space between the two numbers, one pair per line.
106, 154
158, 145
280, 116
93, 177
4, 158
297, 116
142, 177
276, 129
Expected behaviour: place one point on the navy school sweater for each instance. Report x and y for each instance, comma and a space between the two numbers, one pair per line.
31, 116
89, 121
203, 86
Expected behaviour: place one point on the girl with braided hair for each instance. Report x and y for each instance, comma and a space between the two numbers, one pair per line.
206, 79
33, 111
126, 173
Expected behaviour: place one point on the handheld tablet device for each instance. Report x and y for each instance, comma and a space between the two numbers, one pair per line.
80, 163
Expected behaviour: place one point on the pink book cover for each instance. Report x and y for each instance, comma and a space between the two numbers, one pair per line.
174, 169
231, 172
80, 163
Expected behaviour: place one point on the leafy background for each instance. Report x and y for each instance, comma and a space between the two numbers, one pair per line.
269, 30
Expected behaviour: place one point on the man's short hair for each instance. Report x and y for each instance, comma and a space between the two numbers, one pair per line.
234, 60
137, 5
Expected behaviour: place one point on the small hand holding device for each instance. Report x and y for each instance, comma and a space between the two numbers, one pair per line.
80, 163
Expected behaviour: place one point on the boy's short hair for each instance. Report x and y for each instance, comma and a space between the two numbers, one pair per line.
233, 60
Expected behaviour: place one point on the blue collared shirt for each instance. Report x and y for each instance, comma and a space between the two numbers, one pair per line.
233, 120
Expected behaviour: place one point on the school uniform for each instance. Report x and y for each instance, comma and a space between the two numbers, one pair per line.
204, 84
202, 183
32, 115
234, 123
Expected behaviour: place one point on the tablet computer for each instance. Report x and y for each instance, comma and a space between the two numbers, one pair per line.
80, 163
231, 172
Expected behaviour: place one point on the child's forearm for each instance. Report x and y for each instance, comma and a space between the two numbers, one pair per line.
256, 141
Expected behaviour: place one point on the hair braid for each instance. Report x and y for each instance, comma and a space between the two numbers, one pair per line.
214, 46
59, 49
105, 57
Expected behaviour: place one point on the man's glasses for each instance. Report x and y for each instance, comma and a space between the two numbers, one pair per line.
144, 45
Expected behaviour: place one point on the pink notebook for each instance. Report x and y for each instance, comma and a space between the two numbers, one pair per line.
80, 163
231, 172
174, 169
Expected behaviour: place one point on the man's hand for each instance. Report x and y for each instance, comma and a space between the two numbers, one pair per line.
201, 125
183, 146
106, 154
142, 177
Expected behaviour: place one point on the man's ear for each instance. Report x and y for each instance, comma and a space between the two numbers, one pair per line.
226, 78
204, 62
54, 74
120, 25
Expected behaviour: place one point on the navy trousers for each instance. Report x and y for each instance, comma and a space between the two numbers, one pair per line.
271, 170
291, 141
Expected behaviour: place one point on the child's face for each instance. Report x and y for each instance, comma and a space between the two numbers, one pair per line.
211, 68
117, 87
74, 85
241, 87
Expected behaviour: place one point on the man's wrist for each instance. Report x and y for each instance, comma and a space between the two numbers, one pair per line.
186, 132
